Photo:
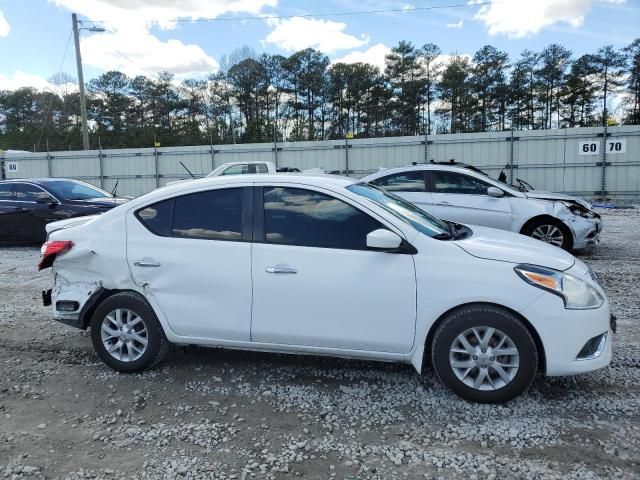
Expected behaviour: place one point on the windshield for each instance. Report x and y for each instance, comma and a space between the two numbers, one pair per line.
68, 190
418, 219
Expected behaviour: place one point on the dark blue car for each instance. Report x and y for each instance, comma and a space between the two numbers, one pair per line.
27, 205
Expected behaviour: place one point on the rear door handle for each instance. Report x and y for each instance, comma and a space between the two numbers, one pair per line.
281, 269
443, 203
146, 262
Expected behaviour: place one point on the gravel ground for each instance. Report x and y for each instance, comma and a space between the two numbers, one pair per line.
208, 413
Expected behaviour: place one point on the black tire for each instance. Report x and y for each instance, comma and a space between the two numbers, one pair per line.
157, 344
567, 238
476, 316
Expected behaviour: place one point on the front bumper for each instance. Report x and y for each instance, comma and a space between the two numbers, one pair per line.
586, 232
564, 334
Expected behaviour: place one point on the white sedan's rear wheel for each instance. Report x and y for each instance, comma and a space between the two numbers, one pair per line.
126, 333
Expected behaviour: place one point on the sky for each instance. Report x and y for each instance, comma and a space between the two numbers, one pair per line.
190, 37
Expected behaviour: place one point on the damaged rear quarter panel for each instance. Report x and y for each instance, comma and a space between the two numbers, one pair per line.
97, 259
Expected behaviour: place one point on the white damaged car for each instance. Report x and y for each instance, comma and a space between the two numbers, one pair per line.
465, 195
325, 265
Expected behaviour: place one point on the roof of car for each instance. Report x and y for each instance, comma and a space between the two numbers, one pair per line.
304, 178
37, 180
426, 166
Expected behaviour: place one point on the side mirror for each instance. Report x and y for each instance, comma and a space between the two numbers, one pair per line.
382, 239
494, 192
46, 199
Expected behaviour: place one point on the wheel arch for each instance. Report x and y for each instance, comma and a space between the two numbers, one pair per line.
99, 296
552, 219
426, 349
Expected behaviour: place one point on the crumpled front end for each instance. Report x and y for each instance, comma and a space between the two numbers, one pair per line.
585, 225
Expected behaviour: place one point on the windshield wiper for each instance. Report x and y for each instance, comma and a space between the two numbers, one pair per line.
443, 236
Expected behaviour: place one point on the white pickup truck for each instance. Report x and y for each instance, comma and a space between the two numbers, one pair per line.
235, 168
239, 168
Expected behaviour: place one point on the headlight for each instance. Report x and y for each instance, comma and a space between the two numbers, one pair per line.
580, 210
575, 292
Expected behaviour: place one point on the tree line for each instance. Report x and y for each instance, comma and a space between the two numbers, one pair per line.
266, 98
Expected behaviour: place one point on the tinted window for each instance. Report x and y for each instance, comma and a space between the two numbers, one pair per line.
452, 182
295, 216
157, 217
70, 190
5, 191
236, 170
402, 182
212, 215
261, 168
29, 193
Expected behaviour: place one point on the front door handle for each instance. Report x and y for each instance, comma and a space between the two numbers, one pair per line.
146, 262
443, 203
281, 269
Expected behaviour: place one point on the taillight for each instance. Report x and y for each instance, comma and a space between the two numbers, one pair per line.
50, 250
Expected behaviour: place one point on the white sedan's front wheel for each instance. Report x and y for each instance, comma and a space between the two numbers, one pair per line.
484, 353
549, 231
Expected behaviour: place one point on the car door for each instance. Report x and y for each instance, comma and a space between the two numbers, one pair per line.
36, 208
314, 281
192, 254
463, 198
409, 185
8, 213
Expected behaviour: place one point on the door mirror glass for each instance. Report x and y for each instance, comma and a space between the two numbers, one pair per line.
46, 199
382, 239
494, 192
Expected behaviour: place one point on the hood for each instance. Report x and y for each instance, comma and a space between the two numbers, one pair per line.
542, 195
503, 246
69, 222
99, 202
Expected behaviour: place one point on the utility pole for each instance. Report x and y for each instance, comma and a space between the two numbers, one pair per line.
83, 98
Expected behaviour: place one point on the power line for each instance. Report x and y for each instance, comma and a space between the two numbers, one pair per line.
46, 117
329, 14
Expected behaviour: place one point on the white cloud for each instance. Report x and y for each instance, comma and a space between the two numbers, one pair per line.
459, 24
5, 28
374, 55
19, 79
517, 18
325, 35
129, 23
141, 53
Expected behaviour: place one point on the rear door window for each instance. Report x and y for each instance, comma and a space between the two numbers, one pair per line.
25, 192
458, 183
210, 215
157, 217
402, 182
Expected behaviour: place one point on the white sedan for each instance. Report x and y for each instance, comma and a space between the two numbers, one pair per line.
465, 195
324, 265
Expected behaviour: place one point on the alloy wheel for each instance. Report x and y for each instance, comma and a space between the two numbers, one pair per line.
484, 358
549, 234
124, 335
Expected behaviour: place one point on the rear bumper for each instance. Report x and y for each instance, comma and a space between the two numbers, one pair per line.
84, 295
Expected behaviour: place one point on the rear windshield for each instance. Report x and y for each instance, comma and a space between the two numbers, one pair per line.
68, 190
